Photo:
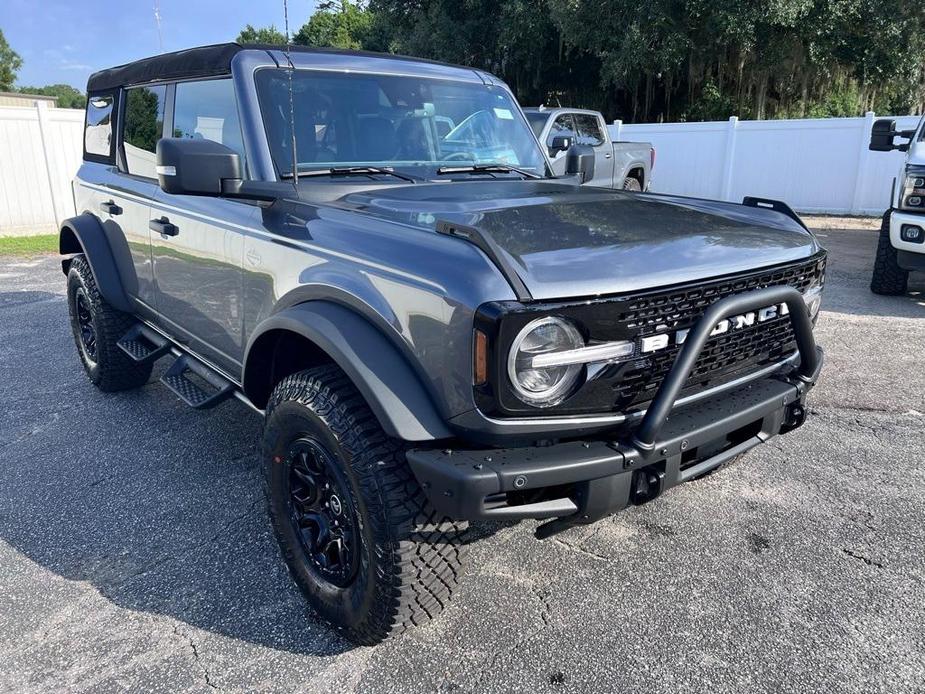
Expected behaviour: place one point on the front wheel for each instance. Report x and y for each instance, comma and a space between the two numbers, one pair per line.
359, 536
888, 279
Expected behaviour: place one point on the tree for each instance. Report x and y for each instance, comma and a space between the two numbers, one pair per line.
67, 96
338, 25
269, 35
10, 62
660, 59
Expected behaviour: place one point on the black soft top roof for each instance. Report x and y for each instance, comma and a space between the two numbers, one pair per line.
204, 61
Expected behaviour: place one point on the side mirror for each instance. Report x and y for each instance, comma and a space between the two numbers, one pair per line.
580, 160
197, 167
882, 134
559, 143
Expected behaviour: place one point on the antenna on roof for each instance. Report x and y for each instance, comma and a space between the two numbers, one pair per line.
295, 158
157, 20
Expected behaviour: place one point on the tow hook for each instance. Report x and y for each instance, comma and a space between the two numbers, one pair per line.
794, 417
648, 483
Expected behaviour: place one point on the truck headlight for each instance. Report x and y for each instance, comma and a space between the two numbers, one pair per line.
912, 197
535, 384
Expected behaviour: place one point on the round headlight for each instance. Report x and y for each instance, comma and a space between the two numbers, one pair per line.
549, 385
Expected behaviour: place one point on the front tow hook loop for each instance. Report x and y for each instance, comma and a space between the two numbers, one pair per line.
648, 483
794, 417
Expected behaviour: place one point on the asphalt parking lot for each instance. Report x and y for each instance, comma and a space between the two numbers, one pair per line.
135, 552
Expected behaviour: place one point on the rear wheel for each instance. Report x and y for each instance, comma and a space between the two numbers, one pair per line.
97, 327
888, 279
632, 184
359, 536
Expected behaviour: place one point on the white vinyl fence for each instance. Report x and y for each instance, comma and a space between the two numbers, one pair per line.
40, 151
814, 165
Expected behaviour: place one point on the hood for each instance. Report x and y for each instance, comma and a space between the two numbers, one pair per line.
568, 241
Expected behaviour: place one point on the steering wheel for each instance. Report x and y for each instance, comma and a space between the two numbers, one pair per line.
459, 156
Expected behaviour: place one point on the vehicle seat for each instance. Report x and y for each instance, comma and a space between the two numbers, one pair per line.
376, 139
414, 140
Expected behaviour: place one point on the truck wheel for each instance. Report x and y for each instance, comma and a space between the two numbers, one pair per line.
97, 327
888, 279
632, 184
360, 539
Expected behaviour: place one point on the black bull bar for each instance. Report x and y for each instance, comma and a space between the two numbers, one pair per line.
607, 475
810, 359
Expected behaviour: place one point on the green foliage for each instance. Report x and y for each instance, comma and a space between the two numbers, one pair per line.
661, 59
337, 25
269, 35
10, 62
68, 96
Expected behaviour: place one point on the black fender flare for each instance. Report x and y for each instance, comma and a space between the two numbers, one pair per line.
373, 363
84, 234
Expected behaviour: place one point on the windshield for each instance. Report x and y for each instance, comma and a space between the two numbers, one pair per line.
537, 120
403, 123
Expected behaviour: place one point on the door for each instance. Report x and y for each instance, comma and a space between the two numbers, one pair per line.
131, 188
197, 242
589, 130
564, 126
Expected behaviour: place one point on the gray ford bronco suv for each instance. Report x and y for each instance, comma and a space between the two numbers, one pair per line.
373, 253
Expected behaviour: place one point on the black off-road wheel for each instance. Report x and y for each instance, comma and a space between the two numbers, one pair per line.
357, 533
97, 327
888, 279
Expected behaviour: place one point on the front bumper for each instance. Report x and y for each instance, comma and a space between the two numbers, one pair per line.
579, 482
897, 220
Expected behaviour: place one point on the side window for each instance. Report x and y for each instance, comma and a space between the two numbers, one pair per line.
98, 130
589, 130
144, 122
561, 126
207, 111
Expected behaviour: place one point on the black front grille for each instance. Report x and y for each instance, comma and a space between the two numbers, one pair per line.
726, 356
631, 385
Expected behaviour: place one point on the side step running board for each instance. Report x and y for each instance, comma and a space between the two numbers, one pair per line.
208, 390
143, 345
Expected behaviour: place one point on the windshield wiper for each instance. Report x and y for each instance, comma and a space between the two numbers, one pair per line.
485, 168
353, 171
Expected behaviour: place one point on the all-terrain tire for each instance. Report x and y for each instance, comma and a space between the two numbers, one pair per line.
888, 279
108, 367
410, 557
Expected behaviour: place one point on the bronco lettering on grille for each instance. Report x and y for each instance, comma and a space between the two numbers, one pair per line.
654, 343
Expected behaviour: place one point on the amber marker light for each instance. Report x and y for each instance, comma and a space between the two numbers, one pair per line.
480, 359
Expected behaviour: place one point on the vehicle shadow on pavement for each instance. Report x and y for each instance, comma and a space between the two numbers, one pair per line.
160, 508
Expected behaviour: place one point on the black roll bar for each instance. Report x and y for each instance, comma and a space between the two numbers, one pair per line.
646, 434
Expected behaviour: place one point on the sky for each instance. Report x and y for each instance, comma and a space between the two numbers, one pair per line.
63, 41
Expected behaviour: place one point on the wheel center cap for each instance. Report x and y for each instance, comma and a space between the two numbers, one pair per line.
336, 506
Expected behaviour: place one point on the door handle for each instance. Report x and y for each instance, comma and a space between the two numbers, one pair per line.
164, 227
110, 208
607, 155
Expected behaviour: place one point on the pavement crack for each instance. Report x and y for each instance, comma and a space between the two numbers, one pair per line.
577, 547
542, 596
866, 560
207, 678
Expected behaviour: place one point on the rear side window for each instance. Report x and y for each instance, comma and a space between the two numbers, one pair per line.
144, 123
207, 111
589, 130
98, 128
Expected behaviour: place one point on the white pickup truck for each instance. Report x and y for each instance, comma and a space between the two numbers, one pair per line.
626, 165
901, 248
